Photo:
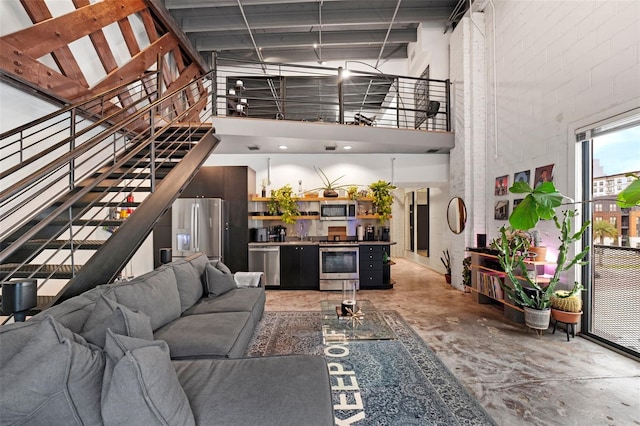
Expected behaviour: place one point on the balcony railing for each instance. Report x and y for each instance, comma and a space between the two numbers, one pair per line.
320, 94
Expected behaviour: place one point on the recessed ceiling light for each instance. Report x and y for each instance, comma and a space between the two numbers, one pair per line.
347, 147
315, 45
283, 147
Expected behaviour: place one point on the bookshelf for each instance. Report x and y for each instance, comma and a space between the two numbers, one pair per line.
487, 277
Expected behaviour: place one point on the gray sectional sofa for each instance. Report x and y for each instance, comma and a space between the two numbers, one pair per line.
164, 348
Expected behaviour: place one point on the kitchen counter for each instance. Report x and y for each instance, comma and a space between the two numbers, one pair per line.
298, 242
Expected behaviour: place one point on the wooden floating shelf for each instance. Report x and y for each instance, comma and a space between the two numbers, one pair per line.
280, 217
504, 302
265, 199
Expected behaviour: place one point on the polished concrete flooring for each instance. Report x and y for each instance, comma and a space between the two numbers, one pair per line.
517, 377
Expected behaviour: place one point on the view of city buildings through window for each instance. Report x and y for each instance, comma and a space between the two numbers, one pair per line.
615, 254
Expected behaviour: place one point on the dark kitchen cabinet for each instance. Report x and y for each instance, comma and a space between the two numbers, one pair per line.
231, 183
299, 267
375, 272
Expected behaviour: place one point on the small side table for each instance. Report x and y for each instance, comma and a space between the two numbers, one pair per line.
568, 326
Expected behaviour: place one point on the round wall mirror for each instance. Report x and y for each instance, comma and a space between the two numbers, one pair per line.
456, 215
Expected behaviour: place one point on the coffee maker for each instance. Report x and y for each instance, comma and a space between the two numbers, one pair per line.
370, 233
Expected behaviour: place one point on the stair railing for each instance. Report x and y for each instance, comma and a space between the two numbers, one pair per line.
118, 148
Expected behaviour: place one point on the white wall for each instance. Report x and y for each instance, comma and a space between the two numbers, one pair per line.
556, 66
408, 171
431, 48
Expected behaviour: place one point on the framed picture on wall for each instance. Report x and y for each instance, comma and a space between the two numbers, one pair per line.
501, 210
543, 174
516, 202
524, 176
502, 185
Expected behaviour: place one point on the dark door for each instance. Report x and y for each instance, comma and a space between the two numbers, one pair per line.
309, 278
289, 267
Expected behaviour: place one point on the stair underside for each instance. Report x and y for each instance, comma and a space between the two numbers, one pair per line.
39, 271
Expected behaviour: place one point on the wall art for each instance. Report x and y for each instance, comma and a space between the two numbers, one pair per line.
502, 185
501, 210
524, 176
543, 174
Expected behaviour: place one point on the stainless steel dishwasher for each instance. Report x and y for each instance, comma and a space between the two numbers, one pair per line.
266, 258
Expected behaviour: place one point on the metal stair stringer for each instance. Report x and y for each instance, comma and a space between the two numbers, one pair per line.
107, 262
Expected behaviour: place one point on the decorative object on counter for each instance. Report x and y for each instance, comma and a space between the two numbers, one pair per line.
282, 203
349, 288
329, 187
382, 198
446, 261
302, 228
264, 187
526, 291
300, 190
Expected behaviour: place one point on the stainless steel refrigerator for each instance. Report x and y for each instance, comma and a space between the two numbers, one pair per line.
199, 225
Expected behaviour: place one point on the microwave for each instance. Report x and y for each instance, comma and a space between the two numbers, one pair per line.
337, 210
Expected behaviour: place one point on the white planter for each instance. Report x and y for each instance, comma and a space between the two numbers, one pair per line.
536, 318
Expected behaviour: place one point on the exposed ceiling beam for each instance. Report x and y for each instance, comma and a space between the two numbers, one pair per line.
328, 54
304, 19
188, 4
236, 41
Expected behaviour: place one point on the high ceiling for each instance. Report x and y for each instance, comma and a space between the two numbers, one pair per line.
290, 31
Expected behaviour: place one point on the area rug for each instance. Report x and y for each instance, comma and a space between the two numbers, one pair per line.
389, 382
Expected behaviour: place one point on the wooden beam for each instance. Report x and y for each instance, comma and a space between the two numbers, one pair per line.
138, 64
129, 36
100, 43
149, 25
51, 34
62, 56
24, 68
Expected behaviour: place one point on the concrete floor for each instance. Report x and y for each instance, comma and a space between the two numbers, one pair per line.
517, 377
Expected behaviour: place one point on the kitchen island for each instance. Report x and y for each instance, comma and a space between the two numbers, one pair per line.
321, 264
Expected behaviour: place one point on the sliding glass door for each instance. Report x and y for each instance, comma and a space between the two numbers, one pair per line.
612, 312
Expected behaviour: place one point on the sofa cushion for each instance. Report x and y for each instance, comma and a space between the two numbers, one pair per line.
220, 335
199, 261
238, 300
154, 293
220, 266
140, 385
73, 313
14, 336
217, 282
57, 376
189, 283
270, 391
108, 314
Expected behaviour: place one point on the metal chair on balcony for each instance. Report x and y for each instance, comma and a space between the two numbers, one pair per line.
433, 107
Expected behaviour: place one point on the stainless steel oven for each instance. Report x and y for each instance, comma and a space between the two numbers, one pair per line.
338, 263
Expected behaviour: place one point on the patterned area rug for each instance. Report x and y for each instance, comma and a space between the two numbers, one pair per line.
391, 382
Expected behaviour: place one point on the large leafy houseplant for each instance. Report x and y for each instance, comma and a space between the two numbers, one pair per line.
329, 186
539, 203
283, 203
382, 198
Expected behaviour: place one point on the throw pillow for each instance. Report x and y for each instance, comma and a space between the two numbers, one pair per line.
57, 377
220, 266
120, 319
217, 282
140, 385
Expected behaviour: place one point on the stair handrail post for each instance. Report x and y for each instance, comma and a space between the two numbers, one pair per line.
72, 146
340, 96
397, 82
152, 128
448, 110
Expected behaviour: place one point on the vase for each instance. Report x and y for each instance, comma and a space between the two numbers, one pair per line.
447, 278
537, 319
539, 253
566, 317
330, 193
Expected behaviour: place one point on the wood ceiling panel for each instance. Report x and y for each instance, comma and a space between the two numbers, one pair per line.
100, 43
129, 36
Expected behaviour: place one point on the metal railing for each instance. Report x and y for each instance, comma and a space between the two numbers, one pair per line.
615, 296
72, 169
320, 94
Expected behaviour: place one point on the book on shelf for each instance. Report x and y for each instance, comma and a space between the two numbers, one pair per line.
490, 283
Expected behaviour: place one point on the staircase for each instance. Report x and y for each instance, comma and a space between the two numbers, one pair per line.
66, 176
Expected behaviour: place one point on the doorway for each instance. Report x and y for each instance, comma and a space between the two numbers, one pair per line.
417, 221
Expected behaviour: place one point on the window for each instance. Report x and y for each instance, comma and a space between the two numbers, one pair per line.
613, 207
598, 207
613, 220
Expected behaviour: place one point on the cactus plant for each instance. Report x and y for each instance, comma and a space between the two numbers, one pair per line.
563, 300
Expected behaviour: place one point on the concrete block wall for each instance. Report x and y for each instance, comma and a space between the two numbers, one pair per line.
550, 68
467, 174
558, 65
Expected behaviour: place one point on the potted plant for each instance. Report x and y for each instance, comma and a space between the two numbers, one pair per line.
382, 198
282, 203
537, 251
523, 288
566, 308
446, 261
466, 272
329, 187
